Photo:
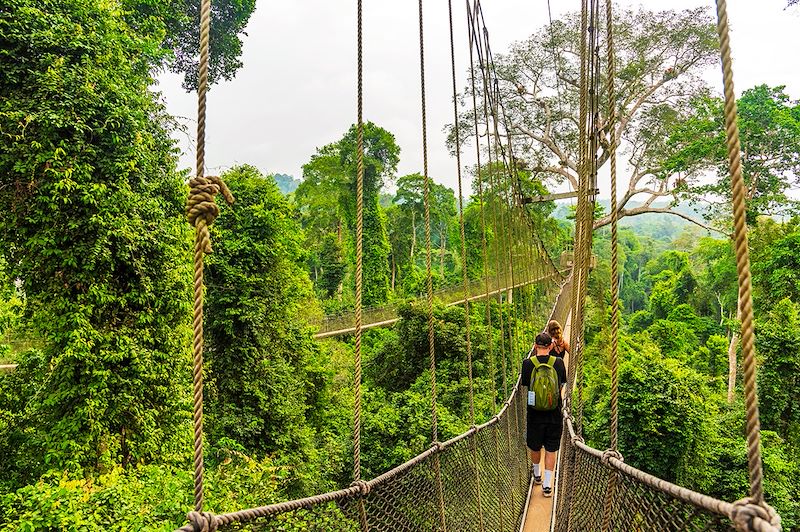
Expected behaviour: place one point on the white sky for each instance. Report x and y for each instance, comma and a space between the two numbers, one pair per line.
297, 89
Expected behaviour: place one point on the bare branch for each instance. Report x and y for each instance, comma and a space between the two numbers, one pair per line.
605, 220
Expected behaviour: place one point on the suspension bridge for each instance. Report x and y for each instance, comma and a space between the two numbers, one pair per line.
480, 480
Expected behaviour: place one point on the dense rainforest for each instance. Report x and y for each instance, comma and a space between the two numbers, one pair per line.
95, 278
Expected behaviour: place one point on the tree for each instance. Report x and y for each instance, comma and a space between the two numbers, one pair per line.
778, 339
92, 223
665, 408
329, 186
175, 25
410, 199
660, 59
265, 375
769, 130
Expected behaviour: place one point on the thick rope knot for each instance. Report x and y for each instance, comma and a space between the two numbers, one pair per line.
751, 516
608, 454
201, 209
363, 487
578, 438
437, 446
203, 521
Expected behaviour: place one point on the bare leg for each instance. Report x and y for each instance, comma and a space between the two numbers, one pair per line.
549, 460
536, 456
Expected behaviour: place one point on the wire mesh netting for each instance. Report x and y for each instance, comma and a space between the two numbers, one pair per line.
634, 504
484, 479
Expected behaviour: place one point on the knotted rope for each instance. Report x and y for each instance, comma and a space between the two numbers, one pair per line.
751, 515
202, 521
201, 211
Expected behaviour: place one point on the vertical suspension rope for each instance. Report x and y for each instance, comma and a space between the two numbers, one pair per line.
578, 275
608, 505
743, 521
201, 243
465, 277
588, 214
485, 256
429, 279
492, 361
359, 267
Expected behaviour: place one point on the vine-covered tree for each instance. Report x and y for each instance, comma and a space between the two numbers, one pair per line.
91, 223
329, 185
265, 375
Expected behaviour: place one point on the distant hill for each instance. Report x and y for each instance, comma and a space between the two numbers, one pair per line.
286, 183
656, 225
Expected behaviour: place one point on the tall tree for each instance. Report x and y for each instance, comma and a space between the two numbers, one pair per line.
660, 60
91, 222
769, 129
264, 376
330, 179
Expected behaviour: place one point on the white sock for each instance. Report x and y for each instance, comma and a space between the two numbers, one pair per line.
536, 470
548, 478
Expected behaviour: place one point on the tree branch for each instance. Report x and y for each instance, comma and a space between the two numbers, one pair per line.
605, 220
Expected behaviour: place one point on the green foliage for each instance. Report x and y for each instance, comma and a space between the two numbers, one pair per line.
769, 129
264, 370
778, 343
327, 201
151, 497
91, 221
174, 23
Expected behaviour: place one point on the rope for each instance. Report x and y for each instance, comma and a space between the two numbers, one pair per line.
464, 265
429, 279
742, 264
578, 281
359, 269
201, 211
608, 506
484, 254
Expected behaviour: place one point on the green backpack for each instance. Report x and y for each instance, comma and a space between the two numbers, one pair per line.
544, 384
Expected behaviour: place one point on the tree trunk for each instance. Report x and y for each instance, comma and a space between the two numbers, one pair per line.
394, 270
413, 236
732, 360
442, 246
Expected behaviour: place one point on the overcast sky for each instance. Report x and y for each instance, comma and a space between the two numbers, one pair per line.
297, 89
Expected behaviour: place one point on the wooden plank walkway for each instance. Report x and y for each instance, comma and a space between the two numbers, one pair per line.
539, 513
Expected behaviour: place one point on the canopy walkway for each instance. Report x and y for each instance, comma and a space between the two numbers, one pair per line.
338, 324
478, 481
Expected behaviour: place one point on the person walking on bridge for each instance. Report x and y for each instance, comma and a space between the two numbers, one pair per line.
560, 344
543, 375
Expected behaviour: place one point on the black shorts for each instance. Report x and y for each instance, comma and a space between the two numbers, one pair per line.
547, 435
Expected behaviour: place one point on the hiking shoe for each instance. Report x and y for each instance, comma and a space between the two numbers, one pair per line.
537, 480
547, 492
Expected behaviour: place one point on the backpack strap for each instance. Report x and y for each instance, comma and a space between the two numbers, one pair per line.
551, 361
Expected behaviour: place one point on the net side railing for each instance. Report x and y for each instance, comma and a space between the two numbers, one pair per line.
406, 498
637, 501
335, 324
485, 477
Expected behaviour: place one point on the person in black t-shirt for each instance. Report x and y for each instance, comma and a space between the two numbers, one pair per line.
543, 428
